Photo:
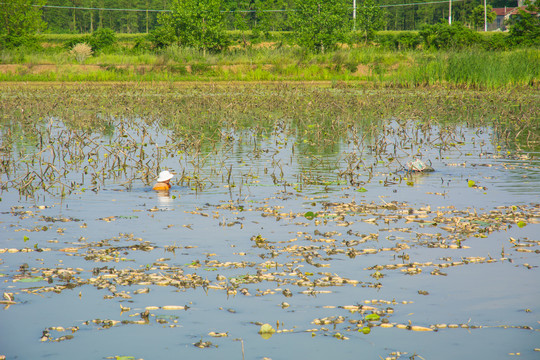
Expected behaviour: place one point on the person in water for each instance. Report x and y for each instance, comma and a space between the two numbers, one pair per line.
163, 181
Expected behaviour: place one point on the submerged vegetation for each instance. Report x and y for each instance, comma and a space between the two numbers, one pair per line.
191, 121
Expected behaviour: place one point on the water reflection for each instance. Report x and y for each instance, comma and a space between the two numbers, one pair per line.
306, 155
164, 199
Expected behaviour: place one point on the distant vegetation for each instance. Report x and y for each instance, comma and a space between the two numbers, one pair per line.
190, 23
247, 14
192, 43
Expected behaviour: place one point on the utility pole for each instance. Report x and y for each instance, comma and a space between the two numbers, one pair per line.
354, 15
147, 16
485, 16
450, 12
91, 18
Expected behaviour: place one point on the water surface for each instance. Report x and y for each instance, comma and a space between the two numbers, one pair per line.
422, 250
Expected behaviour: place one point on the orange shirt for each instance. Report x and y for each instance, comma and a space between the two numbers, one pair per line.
160, 186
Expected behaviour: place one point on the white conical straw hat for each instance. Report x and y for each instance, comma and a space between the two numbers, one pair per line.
164, 176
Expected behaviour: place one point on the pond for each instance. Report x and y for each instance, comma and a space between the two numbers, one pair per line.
292, 228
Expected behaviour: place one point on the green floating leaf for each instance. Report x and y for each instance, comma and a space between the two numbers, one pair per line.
125, 358
31, 280
471, 183
26, 238
521, 223
362, 189
365, 330
372, 317
266, 329
310, 215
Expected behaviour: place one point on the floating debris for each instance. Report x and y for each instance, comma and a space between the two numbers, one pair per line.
418, 165
204, 344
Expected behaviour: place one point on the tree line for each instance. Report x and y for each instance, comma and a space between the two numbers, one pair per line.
316, 25
258, 15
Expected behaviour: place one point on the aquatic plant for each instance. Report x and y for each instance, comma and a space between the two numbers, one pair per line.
102, 143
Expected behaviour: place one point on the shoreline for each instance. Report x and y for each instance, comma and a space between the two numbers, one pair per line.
360, 84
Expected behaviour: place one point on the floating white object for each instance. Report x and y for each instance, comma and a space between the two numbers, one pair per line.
419, 166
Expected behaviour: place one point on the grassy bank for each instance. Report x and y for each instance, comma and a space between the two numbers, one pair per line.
275, 61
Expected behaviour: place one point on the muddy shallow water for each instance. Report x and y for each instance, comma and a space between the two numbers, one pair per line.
338, 248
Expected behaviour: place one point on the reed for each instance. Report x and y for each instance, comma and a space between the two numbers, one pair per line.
477, 69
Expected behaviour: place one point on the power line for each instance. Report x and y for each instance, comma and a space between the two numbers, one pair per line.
101, 9
251, 11
421, 3
225, 11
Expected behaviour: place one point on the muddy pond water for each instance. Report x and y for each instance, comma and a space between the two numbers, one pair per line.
333, 244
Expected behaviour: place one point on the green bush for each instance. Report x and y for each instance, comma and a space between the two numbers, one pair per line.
444, 36
404, 40
102, 38
8, 41
408, 40
141, 45
99, 40
162, 37
497, 41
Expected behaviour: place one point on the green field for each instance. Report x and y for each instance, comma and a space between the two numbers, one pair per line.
275, 59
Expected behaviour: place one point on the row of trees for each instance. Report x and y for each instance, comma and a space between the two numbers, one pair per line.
319, 25
62, 16
316, 24
259, 15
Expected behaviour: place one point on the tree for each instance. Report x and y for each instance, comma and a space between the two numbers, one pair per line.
197, 23
320, 25
525, 26
477, 16
57, 18
20, 21
369, 18
273, 20
242, 18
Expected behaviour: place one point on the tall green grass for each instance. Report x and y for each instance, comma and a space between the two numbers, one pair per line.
471, 68
474, 68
